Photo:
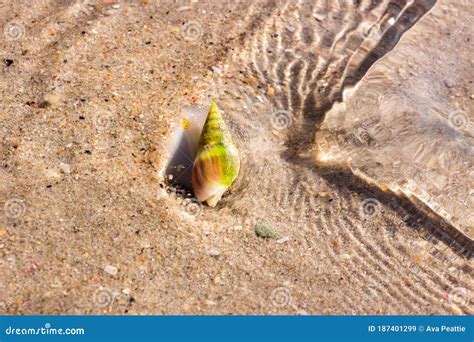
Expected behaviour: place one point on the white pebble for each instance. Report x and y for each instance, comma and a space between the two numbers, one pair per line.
126, 291
11, 258
183, 8
112, 270
216, 70
213, 252
319, 16
283, 239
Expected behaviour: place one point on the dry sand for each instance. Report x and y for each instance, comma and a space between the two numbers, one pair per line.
90, 92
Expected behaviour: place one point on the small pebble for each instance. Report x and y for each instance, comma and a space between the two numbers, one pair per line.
112, 270
65, 168
455, 310
345, 256
126, 291
265, 231
52, 99
213, 252
216, 70
183, 8
250, 80
210, 302
32, 268
448, 83
283, 239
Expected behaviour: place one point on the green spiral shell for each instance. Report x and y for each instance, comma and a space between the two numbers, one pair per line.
217, 161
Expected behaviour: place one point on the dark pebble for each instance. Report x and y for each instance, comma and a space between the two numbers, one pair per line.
8, 62
43, 104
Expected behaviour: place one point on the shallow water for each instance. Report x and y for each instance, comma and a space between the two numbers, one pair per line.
300, 124
305, 55
308, 54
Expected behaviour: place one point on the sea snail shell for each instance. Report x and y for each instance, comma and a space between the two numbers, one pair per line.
217, 161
